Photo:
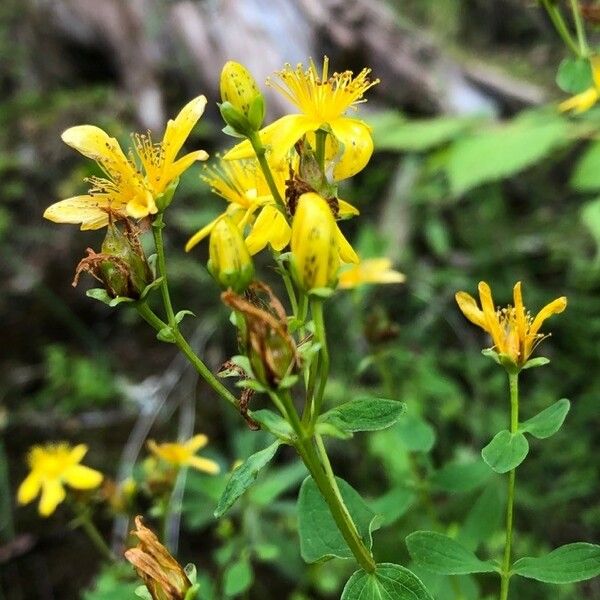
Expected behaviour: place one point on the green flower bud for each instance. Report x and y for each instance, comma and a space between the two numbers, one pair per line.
229, 262
243, 105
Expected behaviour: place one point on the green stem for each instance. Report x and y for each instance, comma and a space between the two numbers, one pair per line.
260, 151
319, 467
560, 25
321, 137
317, 313
287, 281
84, 521
581, 37
150, 317
513, 379
157, 228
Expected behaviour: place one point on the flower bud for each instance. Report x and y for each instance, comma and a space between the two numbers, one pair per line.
120, 266
315, 257
229, 261
243, 105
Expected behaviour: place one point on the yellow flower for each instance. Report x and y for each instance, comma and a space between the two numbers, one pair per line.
317, 244
121, 192
183, 454
514, 331
584, 101
242, 184
159, 160
370, 270
125, 191
323, 101
52, 466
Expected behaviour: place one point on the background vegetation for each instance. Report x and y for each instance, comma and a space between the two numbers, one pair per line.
510, 192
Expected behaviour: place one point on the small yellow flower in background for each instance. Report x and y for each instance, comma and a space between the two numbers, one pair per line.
370, 270
125, 191
323, 101
514, 331
317, 245
583, 102
183, 454
52, 467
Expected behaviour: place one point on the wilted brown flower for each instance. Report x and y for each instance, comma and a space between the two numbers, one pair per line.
270, 347
162, 574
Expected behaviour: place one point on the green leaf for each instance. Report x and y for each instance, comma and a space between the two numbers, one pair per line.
590, 217
393, 504
238, 577
504, 150
391, 131
506, 451
574, 75
586, 175
567, 564
443, 555
460, 476
484, 517
101, 295
274, 423
277, 482
416, 434
388, 582
243, 477
151, 286
548, 422
364, 414
181, 314
540, 361
320, 538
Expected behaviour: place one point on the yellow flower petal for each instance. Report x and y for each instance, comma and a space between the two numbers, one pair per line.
469, 308
595, 62
347, 210
371, 270
140, 207
270, 227
201, 234
355, 135
77, 453
520, 316
491, 319
93, 142
347, 253
86, 209
184, 163
29, 489
553, 308
244, 150
204, 464
82, 478
195, 443
179, 129
53, 493
289, 129
581, 102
